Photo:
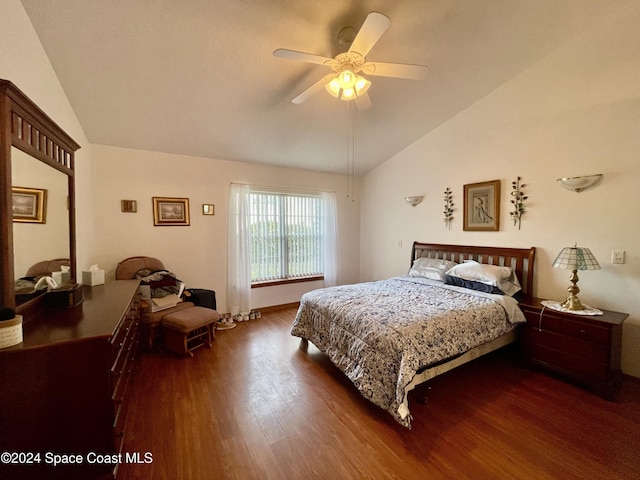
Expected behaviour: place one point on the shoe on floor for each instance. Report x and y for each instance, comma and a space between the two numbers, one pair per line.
225, 324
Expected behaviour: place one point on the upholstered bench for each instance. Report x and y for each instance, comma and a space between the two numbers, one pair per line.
188, 329
151, 321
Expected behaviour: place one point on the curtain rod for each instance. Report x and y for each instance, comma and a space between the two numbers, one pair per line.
282, 189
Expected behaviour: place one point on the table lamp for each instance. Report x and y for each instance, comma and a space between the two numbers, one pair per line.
575, 258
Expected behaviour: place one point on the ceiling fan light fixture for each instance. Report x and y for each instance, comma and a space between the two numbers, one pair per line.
347, 85
362, 85
333, 87
348, 94
347, 79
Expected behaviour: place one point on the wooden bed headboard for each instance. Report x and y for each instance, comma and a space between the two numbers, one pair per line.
520, 259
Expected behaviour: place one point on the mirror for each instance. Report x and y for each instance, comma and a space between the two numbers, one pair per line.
34, 241
37, 155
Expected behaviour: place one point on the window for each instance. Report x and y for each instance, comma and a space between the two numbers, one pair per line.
286, 235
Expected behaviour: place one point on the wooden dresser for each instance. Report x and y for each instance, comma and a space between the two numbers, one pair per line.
65, 389
584, 348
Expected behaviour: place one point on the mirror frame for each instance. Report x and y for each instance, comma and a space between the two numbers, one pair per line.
25, 126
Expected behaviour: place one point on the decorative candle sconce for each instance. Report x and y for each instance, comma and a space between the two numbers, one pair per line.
448, 207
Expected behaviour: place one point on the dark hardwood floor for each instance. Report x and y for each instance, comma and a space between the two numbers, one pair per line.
263, 405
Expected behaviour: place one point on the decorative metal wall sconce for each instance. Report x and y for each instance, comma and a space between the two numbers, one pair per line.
208, 209
517, 202
448, 207
414, 200
129, 206
578, 184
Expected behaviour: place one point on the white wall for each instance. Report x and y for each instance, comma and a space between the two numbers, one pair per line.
198, 253
576, 112
24, 62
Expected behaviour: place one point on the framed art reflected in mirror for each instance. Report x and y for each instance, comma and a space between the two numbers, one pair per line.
29, 205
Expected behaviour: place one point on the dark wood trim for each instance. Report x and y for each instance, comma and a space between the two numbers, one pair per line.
25, 126
7, 294
631, 379
287, 281
521, 259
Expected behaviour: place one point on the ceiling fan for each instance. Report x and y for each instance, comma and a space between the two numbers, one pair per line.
346, 81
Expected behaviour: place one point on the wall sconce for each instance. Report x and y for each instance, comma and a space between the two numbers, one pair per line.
414, 200
578, 184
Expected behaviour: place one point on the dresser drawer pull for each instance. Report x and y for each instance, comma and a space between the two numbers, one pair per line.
582, 330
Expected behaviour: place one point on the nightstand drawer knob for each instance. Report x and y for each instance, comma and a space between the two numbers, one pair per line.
582, 330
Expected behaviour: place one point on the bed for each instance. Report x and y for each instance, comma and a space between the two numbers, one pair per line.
392, 335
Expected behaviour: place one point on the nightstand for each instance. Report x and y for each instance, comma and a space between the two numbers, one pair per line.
585, 348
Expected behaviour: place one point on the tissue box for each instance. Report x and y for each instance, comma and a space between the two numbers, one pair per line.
61, 278
93, 277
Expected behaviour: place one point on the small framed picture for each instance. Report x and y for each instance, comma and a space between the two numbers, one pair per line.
29, 205
208, 209
129, 206
482, 206
170, 211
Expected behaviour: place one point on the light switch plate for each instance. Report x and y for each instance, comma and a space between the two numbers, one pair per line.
617, 256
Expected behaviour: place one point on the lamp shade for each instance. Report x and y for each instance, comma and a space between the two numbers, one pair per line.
576, 258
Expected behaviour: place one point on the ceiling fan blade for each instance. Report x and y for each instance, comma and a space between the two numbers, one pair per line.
396, 70
312, 90
372, 29
302, 57
363, 102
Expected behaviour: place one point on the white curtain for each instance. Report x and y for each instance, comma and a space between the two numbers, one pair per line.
239, 250
330, 221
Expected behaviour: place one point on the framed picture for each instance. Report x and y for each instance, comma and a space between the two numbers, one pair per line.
170, 211
208, 209
29, 205
482, 206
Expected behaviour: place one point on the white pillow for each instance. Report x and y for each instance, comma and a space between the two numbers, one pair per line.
431, 268
502, 277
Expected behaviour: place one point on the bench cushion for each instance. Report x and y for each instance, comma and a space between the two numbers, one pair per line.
154, 318
189, 319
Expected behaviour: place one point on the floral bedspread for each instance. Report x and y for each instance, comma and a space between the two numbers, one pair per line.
381, 333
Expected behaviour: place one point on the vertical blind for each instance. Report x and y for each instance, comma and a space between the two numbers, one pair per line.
286, 236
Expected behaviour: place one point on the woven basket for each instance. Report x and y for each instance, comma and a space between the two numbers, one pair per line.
11, 332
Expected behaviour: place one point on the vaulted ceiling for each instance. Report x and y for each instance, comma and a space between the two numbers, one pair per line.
197, 77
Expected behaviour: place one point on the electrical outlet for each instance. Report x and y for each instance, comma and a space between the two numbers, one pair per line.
617, 256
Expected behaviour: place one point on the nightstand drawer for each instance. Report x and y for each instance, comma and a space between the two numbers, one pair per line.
569, 364
586, 331
572, 346
584, 348
576, 328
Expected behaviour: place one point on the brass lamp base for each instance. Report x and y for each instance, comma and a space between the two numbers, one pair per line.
573, 302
